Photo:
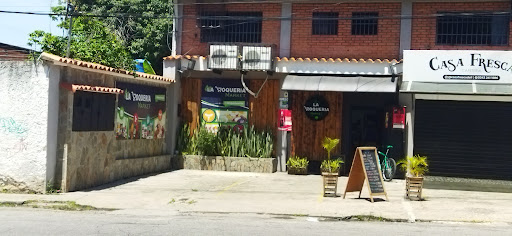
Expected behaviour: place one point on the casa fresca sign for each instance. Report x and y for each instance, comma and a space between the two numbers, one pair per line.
316, 107
472, 67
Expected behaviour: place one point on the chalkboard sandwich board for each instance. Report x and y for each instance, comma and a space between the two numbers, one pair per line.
366, 166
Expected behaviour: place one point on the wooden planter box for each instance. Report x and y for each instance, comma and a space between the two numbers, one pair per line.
330, 184
413, 188
298, 171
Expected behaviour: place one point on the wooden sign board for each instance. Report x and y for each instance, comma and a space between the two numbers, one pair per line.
366, 166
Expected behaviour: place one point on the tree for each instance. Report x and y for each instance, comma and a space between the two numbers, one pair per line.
91, 41
143, 25
127, 29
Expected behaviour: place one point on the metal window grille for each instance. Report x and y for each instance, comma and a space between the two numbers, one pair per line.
325, 23
475, 29
93, 111
231, 27
365, 23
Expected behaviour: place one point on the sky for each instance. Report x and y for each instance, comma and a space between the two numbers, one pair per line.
16, 27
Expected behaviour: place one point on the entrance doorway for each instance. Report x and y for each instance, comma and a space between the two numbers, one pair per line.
364, 127
364, 122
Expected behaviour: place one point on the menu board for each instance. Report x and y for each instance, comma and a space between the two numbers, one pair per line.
365, 167
372, 171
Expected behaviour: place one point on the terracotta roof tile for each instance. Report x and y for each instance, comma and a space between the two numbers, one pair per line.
96, 66
88, 88
307, 59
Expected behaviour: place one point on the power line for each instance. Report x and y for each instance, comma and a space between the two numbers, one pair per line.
163, 16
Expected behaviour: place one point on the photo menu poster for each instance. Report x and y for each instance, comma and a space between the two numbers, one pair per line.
224, 103
140, 112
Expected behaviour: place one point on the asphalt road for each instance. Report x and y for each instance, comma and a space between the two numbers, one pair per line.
25, 221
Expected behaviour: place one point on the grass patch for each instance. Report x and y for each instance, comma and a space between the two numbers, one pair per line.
367, 218
57, 205
191, 202
172, 201
9, 204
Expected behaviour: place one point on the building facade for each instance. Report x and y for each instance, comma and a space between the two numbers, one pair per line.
336, 65
72, 125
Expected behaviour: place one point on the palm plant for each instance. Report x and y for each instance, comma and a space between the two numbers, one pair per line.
329, 144
415, 165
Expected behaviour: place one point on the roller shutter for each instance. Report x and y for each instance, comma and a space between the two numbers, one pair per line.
465, 139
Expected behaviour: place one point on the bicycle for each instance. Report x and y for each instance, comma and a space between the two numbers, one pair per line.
388, 165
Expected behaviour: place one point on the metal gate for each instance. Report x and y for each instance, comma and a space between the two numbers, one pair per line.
465, 139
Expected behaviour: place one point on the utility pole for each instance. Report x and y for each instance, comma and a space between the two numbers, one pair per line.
70, 11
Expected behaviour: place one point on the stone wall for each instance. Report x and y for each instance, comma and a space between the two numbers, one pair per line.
96, 158
218, 163
88, 159
23, 126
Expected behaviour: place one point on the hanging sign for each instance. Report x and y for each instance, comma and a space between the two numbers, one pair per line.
285, 120
398, 117
140, 112
316, 107
224, 103
366, 167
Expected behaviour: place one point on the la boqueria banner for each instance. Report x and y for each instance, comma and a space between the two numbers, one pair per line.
224, 103
140, 112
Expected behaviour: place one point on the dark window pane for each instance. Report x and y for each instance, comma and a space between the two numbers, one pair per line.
231, 27
365, 23
472, 29
325, 23
93, 111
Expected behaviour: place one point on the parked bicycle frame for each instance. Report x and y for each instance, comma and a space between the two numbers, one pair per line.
388, 165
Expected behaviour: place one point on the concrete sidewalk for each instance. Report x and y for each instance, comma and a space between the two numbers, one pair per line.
190, 191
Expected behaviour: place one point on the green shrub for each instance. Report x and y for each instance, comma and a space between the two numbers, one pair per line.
331, 166
206, 142
226, 142
415, 165
297, 162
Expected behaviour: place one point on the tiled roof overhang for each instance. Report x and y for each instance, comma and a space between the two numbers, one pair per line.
103, 69
87, 88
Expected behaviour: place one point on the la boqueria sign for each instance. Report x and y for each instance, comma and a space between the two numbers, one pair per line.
458, 66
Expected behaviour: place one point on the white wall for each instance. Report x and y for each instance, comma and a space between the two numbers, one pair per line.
23, 125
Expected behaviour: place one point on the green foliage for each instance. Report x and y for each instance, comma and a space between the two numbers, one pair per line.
250, 143
144, 35
206, 142
415, 165
297, 162
112, 41
331, 166
91, 41
330, 144
183, 138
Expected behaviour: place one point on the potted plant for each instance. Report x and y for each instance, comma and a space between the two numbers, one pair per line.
330, 168
415, 168
297, 165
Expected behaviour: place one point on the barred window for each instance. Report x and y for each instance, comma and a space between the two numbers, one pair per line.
231, 27
474, 29
325, 23
365, 23
93, 111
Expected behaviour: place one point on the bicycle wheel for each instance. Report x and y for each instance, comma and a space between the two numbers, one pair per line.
389, 169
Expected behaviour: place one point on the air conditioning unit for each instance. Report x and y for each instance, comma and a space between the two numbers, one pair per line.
256, 58
223, 57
